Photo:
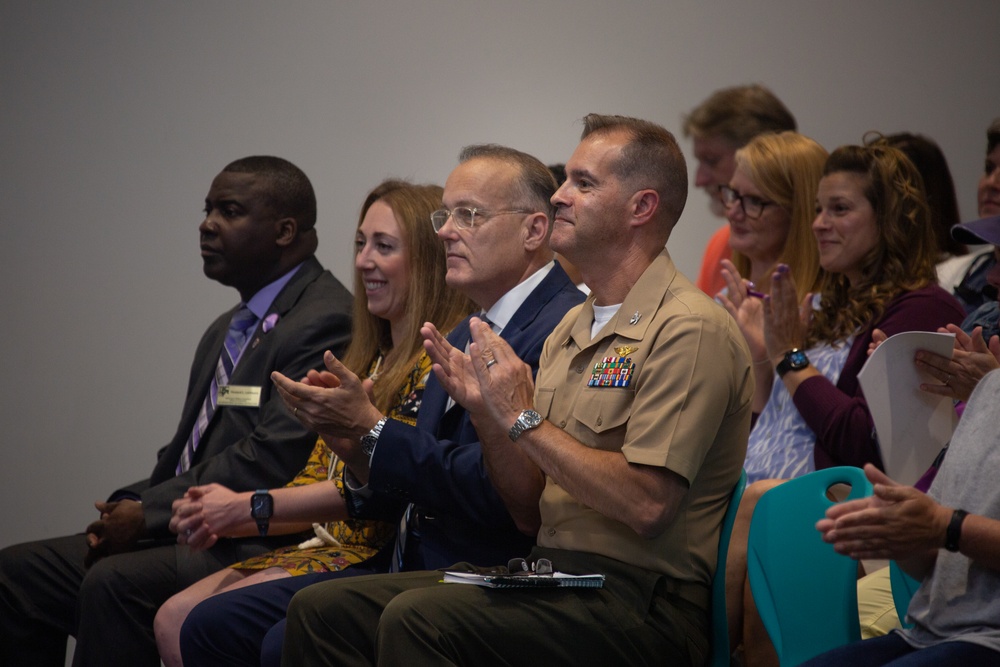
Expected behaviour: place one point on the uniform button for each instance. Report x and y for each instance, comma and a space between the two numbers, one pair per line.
551, 531
599, 421
579, 369
562, 424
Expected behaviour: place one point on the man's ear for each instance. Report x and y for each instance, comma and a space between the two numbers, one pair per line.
287, 229
536, 231
643, 206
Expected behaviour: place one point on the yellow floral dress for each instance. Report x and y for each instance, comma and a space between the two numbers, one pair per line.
359, 540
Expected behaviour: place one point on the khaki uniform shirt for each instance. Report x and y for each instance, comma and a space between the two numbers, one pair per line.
686, 407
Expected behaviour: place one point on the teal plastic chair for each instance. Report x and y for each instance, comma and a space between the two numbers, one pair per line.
719, 656
806, 593
903, 588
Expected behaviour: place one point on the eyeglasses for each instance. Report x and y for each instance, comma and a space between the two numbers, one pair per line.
465, 217
753, 207
542, 566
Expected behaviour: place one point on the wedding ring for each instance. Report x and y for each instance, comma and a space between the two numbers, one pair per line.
187, 533
491, 362
295, 412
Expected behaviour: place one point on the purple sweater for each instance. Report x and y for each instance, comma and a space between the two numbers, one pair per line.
838, 414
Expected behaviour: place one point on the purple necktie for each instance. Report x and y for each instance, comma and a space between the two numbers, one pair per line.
242, 322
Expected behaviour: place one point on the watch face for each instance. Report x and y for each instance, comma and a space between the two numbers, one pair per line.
531, 418
798, 359
261, 506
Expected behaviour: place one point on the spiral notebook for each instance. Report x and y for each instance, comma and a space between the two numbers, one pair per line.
554, 580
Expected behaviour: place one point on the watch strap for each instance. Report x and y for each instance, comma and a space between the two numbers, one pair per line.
794, 360
954, 532
263, 522
370, 439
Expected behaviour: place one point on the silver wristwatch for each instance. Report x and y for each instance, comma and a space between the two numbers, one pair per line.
528, 419
370, 439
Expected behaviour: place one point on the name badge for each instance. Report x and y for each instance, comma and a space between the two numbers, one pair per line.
239, 396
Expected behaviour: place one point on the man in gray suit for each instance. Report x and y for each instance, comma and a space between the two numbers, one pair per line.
104, 586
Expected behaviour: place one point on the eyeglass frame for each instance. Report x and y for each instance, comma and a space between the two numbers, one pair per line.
473, 212
742, 200
541, 567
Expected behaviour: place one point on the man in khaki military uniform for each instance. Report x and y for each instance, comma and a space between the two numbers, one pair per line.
622, 455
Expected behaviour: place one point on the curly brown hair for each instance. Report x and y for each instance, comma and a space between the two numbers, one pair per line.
904, 257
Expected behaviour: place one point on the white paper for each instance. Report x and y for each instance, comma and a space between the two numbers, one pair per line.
912, 425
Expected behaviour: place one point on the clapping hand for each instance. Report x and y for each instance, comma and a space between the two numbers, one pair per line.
786, 319
747, 310
970, 361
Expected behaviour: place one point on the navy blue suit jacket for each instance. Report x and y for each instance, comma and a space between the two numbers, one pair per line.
438, 464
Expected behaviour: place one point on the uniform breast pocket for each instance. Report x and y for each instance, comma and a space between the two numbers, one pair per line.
602, 409
543, 401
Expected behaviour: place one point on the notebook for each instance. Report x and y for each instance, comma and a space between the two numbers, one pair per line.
554, 580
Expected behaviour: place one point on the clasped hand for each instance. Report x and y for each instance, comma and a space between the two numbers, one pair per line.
121, 526
206, 513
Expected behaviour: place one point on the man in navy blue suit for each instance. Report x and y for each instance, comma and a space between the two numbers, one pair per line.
495, 224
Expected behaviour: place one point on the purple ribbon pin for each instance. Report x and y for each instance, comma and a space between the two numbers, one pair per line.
269, 322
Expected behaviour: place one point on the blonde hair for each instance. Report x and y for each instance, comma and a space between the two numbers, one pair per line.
786, 168
428, 298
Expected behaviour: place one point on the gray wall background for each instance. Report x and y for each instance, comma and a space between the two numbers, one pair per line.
115, 116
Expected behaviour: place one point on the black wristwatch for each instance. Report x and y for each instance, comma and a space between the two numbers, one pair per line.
262, 509
953, 534
795, 360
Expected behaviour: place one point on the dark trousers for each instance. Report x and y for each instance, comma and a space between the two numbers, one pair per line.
414, 619
246, 626
892, 651
46, 594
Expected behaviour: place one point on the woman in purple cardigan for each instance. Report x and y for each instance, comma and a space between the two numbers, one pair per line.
878, 250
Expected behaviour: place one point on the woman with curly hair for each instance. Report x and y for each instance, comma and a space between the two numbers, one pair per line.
878, 251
